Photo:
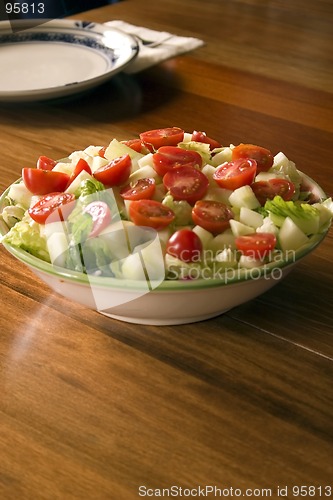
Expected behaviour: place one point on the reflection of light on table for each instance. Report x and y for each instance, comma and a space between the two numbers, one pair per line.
23, 338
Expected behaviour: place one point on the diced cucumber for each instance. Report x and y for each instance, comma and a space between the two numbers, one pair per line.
268, 226
143, 172
57, 245
67, 167
97, 162
75, 185
187, 137
20, 194
280, 160
145, 263
222, 156
182, 210
34, 200
152, 259
250, 217
126, 208
267, 176
226, 258
325, 214
93, 150
290, 236
218, 194
244, 197
249, 262
209, 170
46, 230
77, 155
240, 229
117, 239
117, 148
164, 235
131, 268
178, 269
205, 236
222, 240
146, 160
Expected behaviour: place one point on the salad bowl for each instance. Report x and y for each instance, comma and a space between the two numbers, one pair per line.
154, 300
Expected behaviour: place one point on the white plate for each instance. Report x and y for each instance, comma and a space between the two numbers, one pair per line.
59, 58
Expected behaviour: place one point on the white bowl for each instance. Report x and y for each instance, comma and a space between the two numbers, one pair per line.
171, 302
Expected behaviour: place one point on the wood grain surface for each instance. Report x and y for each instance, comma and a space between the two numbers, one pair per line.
93, 408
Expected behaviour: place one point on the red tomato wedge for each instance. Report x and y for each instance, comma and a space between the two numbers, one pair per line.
141, 190
234, 174
185, 245
212, 215
46, 163
256, 245
202, 137
170, 136
150, 213
262, 156
116, 172
169, 157
267, 190
186, 183
51, 203
101, 216
41, 182
101, 152
80, 166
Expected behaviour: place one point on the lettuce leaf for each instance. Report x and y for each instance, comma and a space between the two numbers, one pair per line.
26, 235
305, 216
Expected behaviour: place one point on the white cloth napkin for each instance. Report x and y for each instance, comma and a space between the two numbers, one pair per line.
167, 45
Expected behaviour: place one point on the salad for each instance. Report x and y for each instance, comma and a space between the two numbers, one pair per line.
211, 207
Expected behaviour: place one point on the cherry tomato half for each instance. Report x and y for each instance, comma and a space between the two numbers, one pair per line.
262, 156
58, 203
169, 157
116, 172
267, 190
150, 213
81, 165
235, 174
41, 182
212, 215
141, 190
186, 183
170, 136
101, 216
137, 145
185, 245
202, 137
256, 245
46, 163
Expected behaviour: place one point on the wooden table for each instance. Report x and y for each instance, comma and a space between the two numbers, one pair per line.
93, 408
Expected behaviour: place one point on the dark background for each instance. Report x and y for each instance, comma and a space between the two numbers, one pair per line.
52, 8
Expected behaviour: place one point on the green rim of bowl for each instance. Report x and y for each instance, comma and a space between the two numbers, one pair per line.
167, 285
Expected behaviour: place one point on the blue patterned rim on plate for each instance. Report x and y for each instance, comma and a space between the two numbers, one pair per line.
60, 38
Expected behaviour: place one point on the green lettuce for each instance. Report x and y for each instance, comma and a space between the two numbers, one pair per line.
26, 235
305, 216
88, 187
